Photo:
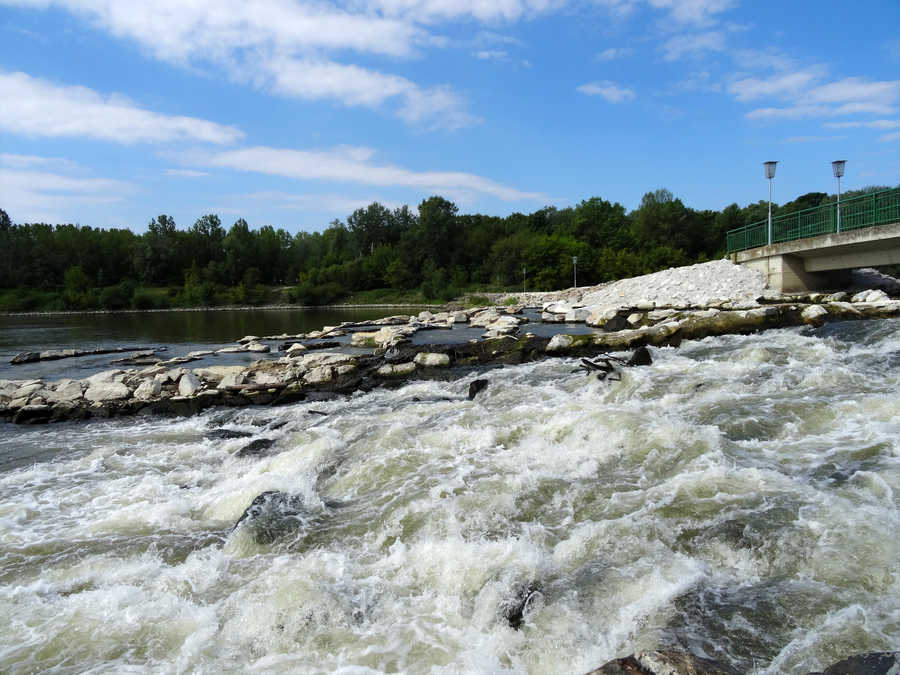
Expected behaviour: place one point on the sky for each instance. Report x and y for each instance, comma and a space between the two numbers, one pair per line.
294, 113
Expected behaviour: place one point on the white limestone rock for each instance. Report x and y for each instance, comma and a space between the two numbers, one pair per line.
232, 380
396, 370
65, 390
814, 315
189, 384
258, 348
600, 316
148, 389
635, 318
559, 342
871, 296
102, 392
432, 360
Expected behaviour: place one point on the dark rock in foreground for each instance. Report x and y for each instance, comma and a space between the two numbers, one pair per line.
663, 663
272, 516
875, 663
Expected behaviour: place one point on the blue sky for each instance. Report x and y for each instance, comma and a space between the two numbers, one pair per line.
295, 112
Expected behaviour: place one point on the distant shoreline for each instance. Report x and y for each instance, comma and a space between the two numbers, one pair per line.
222, 308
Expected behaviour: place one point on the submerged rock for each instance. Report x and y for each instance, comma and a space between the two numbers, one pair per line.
667, 662
271, 516
476, 386
874, 663
516, 607
255, 448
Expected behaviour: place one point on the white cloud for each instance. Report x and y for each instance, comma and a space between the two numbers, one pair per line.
186, 173
611, 91
352, 164
693, 11
614, 53
36, 107
872, 124
492, 55
784, 84
681, 46
480, 10
45, 189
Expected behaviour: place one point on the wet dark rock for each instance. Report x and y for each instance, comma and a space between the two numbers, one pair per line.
475, 387
271, 516
33, 414
516, 607
874, 663
668, 662
255, 448
641, 357
227, 434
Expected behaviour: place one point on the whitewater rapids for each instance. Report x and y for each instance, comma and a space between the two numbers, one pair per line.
740, 498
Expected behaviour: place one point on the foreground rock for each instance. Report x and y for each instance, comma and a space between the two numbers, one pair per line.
663, 663
56, 354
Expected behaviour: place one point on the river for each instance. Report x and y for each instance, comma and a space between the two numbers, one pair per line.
740, 498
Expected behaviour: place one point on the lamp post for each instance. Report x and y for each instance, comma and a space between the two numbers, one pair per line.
770, 174
575, 270
838, 167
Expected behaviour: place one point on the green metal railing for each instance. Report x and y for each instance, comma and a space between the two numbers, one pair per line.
869, 210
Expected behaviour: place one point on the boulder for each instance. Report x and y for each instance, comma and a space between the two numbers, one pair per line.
870, 296
814, 315
232, 380
216, 374
65, 390
319, 375
667, 662
397, 370
577, 315
432, 360
255, 448
874, 663
258, 348
230, 350
295, 349
247, 339
189, 384
148, 389
476, 386
635, 318
425, 315
560, 342
271, 516
604, 317
102, 392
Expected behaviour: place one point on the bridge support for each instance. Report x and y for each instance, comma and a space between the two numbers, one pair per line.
788, 274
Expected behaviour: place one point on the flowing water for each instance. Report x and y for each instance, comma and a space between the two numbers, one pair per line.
740, 498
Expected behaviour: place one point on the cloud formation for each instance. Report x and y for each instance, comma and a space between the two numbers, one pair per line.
352, 164
36, 107
610, 91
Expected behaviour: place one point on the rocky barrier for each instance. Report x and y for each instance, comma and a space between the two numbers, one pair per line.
303, 371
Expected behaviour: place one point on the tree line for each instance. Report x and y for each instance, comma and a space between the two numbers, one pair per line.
435, 250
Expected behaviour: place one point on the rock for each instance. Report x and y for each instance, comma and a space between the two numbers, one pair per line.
319, 375
559, 342
102, 392
605, 317
258, 348
25, 357
247, 339
870, 296
425, 316
295, 348
432, 360
396, 370
641, 357
635, 318
840, 296
460, 317
271, 516
200, 354
189, 384
516, 607
66, 390
227, 434
230, 350
148, 389
663, 663
255, 448
475, 387
106, 377
577, 315
32, 414
485, 317
232, 380
875, 663
215, 374
27, 390
814, 315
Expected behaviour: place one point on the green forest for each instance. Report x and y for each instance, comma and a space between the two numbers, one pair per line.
431, 254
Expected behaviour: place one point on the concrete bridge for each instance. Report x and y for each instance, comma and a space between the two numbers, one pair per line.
812, 250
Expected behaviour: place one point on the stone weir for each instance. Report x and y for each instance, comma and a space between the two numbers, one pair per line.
302, 375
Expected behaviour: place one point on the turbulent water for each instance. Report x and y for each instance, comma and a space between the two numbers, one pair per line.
738, 498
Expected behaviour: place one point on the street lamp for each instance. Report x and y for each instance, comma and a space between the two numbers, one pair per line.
575, 270
770, 174
838, 167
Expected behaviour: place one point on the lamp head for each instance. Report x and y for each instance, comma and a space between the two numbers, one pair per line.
770, 169
838, 167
